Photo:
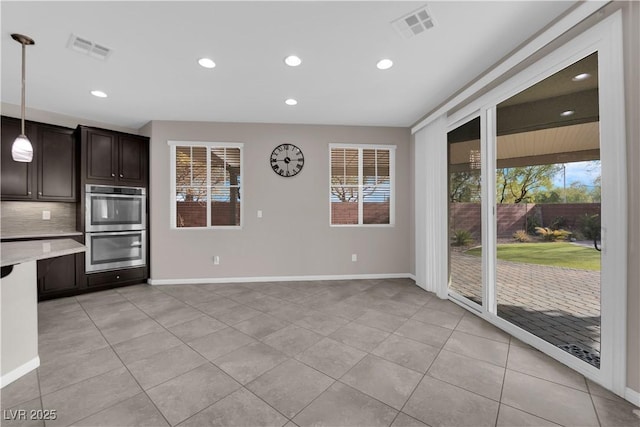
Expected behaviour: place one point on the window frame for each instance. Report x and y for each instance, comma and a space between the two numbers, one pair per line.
392, 182
172, 177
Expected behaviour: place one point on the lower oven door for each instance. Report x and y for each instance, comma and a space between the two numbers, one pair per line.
115, 250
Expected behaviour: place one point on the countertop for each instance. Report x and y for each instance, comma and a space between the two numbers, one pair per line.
32, 250
41, 235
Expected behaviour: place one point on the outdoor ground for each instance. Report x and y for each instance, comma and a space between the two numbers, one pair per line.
559, 304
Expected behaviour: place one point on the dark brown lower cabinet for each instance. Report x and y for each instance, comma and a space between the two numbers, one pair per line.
64, 276
60, 276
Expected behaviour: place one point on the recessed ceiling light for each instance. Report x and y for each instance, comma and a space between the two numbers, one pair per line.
567, 113
384, 64
206, 62
291, 101
292, 61
98, 93
581, 77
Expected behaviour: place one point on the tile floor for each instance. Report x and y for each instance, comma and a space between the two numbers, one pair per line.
335, 353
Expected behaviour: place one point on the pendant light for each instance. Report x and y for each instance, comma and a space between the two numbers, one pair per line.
22, 150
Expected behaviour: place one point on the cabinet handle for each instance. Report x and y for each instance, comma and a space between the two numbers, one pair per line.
113, 174
28, 193
117, 277
121, 175
39, 193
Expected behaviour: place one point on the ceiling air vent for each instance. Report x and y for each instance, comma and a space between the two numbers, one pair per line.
414, 23
88, 47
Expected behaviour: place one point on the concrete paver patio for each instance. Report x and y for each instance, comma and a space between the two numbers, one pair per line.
559, 305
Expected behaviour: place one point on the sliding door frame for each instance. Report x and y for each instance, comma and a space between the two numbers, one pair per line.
605, 38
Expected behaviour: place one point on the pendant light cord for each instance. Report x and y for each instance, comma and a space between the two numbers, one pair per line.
23, 85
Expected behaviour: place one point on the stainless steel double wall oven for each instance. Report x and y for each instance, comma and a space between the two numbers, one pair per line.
115, 225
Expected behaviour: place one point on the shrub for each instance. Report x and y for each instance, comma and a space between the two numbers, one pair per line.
461, 238
552, 235
589, 225
558, 223
521, 236
532, 224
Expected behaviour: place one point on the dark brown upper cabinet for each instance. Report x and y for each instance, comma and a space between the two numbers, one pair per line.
51, 176
113, 158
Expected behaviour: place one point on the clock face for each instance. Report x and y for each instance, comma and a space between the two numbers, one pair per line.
287, 160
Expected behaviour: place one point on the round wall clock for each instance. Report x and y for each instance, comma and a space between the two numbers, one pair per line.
287, 160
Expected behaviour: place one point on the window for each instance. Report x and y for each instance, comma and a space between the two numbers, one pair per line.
206, 180
361, 188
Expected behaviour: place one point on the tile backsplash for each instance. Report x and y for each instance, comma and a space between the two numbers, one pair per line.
26, 217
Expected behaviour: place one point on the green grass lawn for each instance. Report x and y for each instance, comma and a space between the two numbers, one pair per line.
558, 254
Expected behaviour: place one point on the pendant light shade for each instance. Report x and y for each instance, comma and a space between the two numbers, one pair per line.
22, 150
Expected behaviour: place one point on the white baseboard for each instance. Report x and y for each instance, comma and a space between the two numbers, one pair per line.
632, 396
201, 281
20, 371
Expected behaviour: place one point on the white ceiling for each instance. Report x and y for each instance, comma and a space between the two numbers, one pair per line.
153, 72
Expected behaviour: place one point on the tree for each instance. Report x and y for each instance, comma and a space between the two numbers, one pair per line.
464, 187
514, 185
551, 196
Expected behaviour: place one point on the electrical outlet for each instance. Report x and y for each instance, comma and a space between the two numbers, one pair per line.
216, 260
259, 214
46, 215
354, 257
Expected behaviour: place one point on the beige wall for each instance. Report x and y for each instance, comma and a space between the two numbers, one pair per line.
294, 237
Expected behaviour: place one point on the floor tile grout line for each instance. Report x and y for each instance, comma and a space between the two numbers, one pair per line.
349, 321
334, 379
504, 377
267, 403
222, 370
529, 413
593, 404
425, 374
123, 366
455, 385
475, 358
126, 367
548, 380
39, 392
227, 326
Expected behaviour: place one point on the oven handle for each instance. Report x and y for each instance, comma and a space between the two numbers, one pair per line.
114, 233
116, 196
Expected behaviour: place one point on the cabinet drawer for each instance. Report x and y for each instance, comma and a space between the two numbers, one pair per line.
115, 277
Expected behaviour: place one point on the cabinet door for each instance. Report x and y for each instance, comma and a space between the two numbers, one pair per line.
17, 177
101, 152
57, 164
132, 161
57, 274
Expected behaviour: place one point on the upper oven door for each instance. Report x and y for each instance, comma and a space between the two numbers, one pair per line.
115, 212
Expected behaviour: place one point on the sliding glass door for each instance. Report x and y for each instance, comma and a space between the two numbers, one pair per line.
465, 212
547, 210
537, 209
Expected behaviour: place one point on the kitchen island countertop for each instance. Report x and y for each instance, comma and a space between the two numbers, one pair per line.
32, 250
40, 235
